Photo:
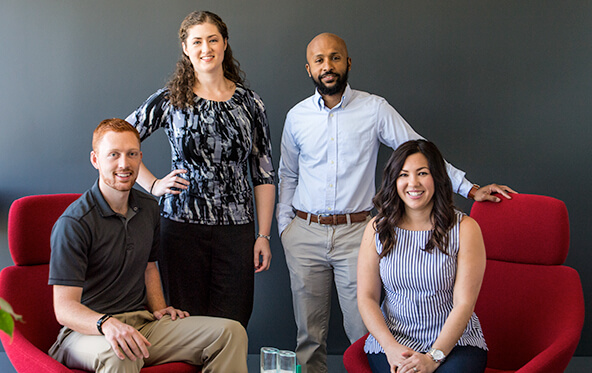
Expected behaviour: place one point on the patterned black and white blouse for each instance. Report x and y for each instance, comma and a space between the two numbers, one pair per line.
217, 143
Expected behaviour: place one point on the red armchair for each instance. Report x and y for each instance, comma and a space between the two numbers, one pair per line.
25, 287
531, 306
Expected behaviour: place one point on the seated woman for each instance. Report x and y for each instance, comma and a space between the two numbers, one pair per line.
429, 258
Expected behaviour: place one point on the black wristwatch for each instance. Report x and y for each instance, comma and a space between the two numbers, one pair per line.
101, 321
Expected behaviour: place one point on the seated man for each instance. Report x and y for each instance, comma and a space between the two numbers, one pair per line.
106, 286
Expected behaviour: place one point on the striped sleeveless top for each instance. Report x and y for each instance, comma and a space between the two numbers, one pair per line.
418, 288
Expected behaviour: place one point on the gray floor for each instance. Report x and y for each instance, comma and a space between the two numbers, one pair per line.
579, 364
335, 363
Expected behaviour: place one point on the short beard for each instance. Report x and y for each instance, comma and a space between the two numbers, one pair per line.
339, 87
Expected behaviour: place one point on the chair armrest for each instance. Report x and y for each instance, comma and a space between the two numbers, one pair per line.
26, 358
354, 358
554, 358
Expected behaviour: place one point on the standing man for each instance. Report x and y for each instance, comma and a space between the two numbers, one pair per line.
327, 168
106, 286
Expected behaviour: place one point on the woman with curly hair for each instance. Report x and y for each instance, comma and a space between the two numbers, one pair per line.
219, 134
430, 259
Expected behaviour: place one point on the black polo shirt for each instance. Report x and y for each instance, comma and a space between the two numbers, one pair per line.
105, 253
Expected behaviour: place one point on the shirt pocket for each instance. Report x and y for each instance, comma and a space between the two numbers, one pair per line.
356, 148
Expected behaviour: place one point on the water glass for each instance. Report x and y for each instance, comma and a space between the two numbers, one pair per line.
286, 361
269, 359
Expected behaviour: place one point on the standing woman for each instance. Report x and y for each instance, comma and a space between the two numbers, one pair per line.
219, 134
429, 259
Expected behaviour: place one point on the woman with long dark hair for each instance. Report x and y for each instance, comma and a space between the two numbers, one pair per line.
430, 259
219, 135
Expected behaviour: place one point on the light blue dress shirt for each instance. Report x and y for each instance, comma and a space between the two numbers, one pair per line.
328, 156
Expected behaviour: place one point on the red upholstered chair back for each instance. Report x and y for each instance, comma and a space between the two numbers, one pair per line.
528, 229
530, 305
30, 221
25, 287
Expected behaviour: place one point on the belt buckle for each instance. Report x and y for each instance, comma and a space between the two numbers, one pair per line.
319, 216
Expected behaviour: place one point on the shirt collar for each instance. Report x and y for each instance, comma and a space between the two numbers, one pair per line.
103, 205
345, 98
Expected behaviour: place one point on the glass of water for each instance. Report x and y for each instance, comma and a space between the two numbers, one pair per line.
286, 361
269, 359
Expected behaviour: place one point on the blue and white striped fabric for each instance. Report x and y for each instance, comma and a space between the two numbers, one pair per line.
418, 292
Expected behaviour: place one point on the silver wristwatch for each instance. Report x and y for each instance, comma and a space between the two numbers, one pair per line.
436, 355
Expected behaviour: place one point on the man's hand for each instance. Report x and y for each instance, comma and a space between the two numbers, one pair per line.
485, 193
125, 340
170, 311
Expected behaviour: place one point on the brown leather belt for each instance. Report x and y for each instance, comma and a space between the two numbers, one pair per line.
334, 219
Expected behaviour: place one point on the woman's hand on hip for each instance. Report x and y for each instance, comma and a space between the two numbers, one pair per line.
170, 184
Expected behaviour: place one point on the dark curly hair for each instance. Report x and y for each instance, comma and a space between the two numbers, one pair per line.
391, 208
183, 79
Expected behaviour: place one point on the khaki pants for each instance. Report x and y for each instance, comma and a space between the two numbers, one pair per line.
316, 256
219, 345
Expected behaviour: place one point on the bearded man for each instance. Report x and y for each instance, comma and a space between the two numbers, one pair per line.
327, 168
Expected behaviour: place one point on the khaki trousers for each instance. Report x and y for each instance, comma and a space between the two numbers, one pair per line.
219, 345
316, 256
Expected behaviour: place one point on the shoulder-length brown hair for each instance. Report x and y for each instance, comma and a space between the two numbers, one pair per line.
391, 208
181, 83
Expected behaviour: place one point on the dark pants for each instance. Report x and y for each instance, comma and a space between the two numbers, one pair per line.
466, 359
208, 270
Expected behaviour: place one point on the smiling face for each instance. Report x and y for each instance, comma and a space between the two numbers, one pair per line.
328, 64
117, 156
415, 184
205, 48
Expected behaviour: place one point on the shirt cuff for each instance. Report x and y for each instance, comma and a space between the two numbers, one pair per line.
284, 215
465, 188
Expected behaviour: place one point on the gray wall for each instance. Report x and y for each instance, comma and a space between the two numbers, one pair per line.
503, 87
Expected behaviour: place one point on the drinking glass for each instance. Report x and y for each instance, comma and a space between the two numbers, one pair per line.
269, 359
286, 361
